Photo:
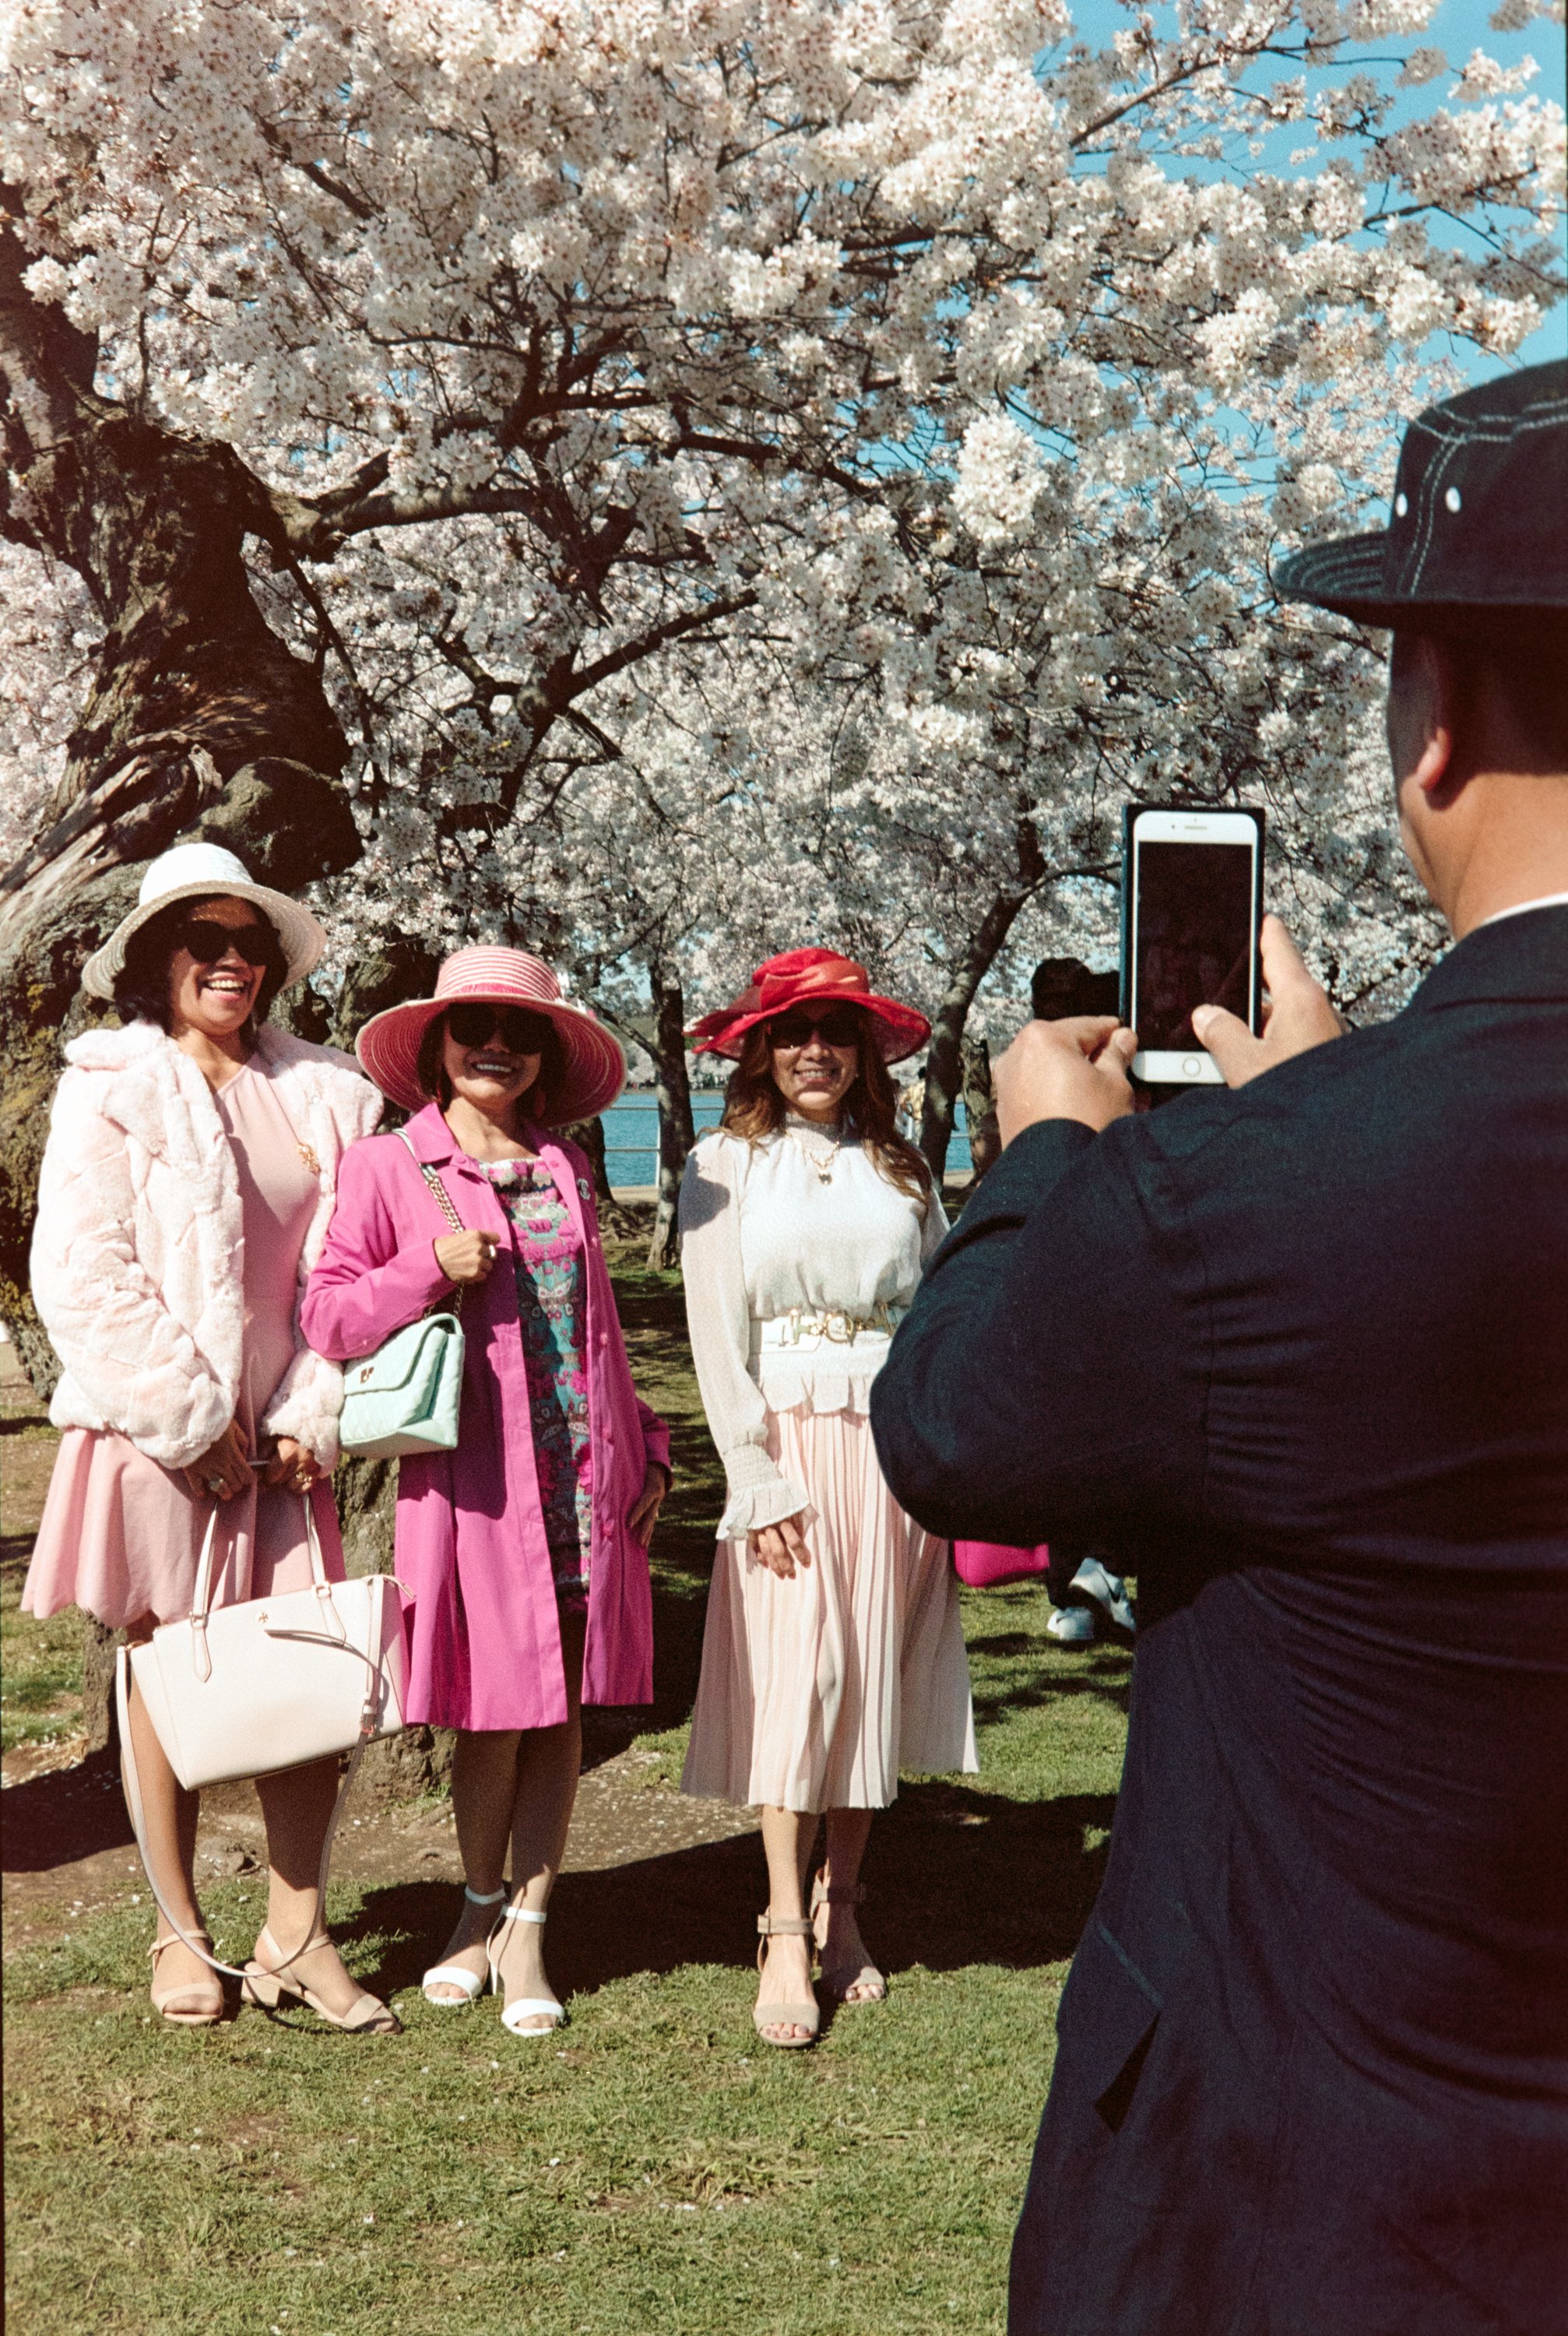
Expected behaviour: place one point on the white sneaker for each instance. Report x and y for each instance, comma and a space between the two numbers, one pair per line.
1095, 1587
1071, 1626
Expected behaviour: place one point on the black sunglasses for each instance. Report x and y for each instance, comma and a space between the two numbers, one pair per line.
522, 1033
208, 940
840, 1027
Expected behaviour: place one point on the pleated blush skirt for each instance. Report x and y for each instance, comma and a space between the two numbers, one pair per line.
816, 1692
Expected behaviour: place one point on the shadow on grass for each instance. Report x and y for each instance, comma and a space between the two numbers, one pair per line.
69, 1812
1111, 1686
953, 1877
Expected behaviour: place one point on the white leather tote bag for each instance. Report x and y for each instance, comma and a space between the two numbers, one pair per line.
271, 1683
277, 1681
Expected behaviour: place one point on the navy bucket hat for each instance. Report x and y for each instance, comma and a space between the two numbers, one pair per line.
1479, 518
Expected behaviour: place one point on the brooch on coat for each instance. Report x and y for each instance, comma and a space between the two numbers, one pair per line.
309, 1158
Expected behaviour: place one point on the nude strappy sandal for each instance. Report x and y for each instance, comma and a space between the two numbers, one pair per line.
265, 1987
526, 2007
839, 1978
785, 2015
458, 1974
190, 2006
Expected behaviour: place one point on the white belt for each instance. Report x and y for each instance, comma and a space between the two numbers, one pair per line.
833, 1328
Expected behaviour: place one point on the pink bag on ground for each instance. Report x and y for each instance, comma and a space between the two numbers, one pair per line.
986, 1564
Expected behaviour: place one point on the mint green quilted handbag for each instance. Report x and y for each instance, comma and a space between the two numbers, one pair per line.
406, 1397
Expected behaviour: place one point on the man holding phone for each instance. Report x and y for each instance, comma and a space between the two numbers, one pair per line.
1297, 1348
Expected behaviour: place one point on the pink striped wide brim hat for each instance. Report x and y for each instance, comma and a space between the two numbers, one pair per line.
593, 1066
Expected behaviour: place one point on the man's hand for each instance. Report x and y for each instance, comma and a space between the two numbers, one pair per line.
1299, 1015
1075, 1069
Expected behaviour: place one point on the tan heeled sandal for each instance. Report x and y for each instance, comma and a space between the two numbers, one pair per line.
785, 2015
839, 1978
265, 1987
192, 2005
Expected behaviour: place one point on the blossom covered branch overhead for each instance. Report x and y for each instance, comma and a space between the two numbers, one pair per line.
957, 368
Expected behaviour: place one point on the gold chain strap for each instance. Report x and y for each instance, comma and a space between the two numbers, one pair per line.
432, 1178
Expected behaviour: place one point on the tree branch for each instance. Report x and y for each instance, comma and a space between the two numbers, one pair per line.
273, 138
47, 366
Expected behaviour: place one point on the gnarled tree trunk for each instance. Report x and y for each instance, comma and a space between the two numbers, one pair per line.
979, 1107
198, 721
944, 1063
666, 1042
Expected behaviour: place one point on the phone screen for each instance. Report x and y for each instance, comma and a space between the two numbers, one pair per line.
1193, 943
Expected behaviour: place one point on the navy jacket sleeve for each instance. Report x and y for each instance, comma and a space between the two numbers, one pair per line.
1049, 1379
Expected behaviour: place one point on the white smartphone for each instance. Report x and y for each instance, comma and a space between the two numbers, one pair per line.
1192, 904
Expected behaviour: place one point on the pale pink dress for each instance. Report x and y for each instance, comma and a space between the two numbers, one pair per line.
120, 1535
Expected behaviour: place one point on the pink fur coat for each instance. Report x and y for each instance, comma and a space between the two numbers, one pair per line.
138, 1252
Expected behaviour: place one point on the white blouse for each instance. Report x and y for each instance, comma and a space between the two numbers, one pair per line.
793, 1288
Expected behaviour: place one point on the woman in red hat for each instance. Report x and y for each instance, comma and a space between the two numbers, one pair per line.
525, 1550
834, 1654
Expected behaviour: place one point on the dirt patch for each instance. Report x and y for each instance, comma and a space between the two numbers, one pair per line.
68, 1848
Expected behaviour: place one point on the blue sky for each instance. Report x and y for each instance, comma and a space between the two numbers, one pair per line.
1458, 27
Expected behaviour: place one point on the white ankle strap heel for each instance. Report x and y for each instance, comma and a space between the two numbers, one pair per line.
522, 2007
457, 1974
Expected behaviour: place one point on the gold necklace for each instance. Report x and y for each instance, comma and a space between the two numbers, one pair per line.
820, 1164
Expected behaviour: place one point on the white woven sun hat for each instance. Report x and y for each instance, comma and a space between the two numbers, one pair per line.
198, 872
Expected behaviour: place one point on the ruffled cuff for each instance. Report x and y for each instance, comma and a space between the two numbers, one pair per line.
758, 1494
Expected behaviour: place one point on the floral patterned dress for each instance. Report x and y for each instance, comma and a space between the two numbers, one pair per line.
552, 1307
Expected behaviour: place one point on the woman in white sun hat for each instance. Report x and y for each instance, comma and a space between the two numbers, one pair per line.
185, 1191
525, 1550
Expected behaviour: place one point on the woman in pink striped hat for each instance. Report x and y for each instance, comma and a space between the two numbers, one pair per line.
525, 1550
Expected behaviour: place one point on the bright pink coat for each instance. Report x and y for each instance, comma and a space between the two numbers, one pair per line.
484, 1639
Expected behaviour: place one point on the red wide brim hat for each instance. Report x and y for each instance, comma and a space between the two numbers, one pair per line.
594, 1066
811, 977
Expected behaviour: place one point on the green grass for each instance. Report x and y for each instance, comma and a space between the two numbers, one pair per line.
40, 1670
658, 2170
655, 2171
40, 1662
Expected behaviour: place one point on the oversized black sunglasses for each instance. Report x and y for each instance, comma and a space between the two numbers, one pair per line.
522, 1033
208, 940
840, 1027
